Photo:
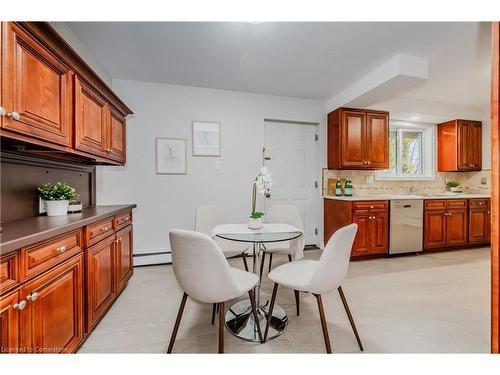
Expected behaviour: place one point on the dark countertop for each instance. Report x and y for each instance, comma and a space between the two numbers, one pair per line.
24, 232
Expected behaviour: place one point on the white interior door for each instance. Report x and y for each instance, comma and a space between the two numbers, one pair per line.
292, 149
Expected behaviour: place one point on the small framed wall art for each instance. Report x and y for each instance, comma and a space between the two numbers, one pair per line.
171, 155
206, 138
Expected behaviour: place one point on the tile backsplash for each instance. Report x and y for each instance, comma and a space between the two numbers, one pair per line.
469, 181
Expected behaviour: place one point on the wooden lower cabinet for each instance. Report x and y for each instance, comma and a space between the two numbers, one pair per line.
101, 285
9, 322
51, 310
52, 321
372, 217
123, 257
479, 225
456, 222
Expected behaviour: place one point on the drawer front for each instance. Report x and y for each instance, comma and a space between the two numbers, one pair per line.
457, 203
9, 271
435, 204
479, 203
369, 205
122, 220
42, 256
98, 231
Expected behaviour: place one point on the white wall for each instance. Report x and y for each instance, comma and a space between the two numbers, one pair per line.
167, 201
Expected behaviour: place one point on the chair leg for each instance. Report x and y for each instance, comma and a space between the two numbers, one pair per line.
349, 315
262, 265
245, 261
270, 261
270, 312
213, 313
297, 301
177, 323
251, 294
221, 327
323, 323
296, 292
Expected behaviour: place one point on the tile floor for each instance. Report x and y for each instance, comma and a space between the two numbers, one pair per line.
434, 303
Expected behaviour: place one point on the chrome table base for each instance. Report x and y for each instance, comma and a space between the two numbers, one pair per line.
239, 318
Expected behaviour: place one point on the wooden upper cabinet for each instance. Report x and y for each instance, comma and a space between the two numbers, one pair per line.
91, 120
460, 146
37, 95
52, 321
358, 139
117, 136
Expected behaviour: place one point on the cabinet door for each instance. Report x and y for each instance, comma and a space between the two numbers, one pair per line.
475, 145
456, 227
124, 257
379, 235
116, 136
361, 244
479, 225
101, 286
91, 120
377, 140
434, 229
352, 134
52, 321
37, 94
2, 106
9, 323
463, 145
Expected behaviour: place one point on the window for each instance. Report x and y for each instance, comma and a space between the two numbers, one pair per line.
411, 152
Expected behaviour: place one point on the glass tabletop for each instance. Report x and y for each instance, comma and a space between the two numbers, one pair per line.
259, 237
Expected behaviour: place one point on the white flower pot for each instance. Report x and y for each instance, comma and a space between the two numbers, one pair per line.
455, 189
56, 208
255, 223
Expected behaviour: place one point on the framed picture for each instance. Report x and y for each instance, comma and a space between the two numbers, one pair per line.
206, 138
171, 155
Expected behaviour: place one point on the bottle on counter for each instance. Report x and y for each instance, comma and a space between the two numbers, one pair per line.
348, 187
338, 188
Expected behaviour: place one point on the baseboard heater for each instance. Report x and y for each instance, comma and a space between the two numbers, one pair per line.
152, 258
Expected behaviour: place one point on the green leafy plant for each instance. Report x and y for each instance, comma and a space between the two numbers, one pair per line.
452, 184
256, 215
57, 192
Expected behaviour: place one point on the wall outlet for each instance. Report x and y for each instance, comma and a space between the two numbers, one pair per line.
41, 206
217, 165
484, 181
370, 179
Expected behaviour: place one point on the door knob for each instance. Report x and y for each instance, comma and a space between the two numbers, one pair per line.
14, 115
32, 297
20, 306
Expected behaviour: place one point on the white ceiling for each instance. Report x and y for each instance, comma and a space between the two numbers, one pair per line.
306, 60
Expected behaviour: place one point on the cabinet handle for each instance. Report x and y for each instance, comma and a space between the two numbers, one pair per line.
14, 115
32, 297
104, 229
61, 249
487, 212
20, 306
2, 111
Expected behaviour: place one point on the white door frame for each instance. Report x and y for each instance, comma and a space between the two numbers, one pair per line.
316, 200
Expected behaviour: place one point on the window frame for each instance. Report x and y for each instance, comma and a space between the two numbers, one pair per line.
428, 141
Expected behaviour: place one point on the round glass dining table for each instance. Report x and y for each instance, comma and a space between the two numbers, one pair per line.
239, 318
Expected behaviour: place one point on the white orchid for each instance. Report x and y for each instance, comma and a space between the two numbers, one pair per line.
264, 182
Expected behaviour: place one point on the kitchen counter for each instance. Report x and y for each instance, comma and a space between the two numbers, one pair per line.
389, 197
24, 232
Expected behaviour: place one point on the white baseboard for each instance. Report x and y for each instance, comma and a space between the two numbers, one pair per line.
151, 257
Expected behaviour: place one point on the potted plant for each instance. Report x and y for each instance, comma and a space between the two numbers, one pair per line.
453, 186
56, 197
255, 220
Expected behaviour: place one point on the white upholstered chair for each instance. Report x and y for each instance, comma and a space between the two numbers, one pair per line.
319, 277
207, 218
288, 214
204, 274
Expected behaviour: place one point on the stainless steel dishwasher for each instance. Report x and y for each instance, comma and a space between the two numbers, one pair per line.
406, 226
